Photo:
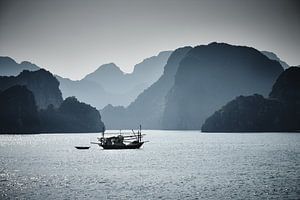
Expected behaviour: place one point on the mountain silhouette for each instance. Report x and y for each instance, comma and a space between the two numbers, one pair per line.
210, 76
280, 112
41, 83
246, 114
287, 86
71, 117
32, 103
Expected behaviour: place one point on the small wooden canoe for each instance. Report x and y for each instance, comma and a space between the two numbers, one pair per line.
82, 147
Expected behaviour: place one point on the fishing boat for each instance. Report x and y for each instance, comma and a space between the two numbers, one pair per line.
121, 140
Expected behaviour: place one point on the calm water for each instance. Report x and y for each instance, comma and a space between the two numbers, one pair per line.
173, 165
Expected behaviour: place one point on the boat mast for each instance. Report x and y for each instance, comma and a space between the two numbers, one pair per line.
140, 134
103, 130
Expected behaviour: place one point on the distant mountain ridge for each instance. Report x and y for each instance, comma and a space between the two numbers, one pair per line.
9, 67
106, 85
108, 76
110, 85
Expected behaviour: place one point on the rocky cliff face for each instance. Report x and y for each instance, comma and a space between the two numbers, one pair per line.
255, 113
148, 107
18, 111
210, 76
41, 83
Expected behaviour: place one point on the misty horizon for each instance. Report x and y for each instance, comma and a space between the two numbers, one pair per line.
120, 67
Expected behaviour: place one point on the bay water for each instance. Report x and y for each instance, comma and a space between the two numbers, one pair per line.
172, 165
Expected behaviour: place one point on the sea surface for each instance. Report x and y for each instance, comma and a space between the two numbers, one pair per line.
173, 165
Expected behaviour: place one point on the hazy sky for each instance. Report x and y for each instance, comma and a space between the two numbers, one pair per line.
72, 38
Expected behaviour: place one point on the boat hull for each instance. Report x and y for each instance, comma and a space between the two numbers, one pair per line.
82, 148
128, 146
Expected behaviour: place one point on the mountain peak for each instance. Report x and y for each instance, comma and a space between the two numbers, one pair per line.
30, 65
109, 69
109, 66
4, 60
105, 75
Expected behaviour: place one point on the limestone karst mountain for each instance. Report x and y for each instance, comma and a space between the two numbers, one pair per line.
210, 76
